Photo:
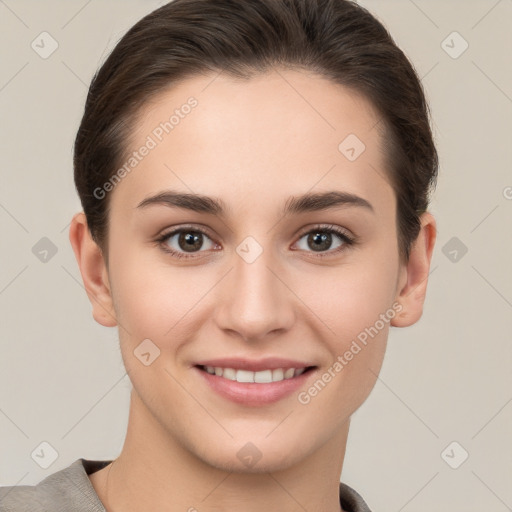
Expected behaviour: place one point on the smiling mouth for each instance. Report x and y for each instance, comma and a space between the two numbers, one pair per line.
260, 377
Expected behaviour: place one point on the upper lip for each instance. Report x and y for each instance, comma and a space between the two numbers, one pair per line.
269, 363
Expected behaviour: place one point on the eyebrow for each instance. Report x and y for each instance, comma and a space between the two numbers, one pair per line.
294, 205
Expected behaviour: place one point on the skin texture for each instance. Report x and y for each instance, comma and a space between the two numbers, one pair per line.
252, 144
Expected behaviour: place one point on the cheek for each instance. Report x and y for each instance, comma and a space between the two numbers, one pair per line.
358, 310
155, 300
152, 303
349, 298
354, 304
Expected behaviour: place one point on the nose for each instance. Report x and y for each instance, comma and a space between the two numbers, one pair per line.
254, 301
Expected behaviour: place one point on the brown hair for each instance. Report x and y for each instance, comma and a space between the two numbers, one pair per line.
337, 39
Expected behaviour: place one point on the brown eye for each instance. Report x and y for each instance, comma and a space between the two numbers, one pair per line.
190, 241
319, 241
179, 242
328, 240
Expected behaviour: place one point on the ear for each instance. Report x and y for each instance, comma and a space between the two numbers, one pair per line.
94, 271
412, 284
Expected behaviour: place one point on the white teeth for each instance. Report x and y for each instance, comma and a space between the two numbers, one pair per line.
261, 377
244, 376
288, 374
277, 374
229, 373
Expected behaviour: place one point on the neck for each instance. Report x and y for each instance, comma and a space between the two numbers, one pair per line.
153, 472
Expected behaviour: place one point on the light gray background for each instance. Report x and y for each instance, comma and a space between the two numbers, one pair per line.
446, 379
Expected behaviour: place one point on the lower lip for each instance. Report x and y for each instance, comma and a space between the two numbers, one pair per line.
251, 393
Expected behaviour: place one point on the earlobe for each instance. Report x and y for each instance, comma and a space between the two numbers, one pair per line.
414, 275
93, 270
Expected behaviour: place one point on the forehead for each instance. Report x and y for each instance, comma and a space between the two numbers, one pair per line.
283, 132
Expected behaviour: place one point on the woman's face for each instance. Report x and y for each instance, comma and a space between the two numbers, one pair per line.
253, 283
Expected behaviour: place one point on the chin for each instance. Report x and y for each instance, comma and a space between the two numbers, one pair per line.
253, 458
260, 467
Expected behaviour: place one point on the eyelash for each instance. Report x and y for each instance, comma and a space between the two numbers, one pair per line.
323, 228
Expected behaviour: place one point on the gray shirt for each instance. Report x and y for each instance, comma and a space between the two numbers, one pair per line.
70, 490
